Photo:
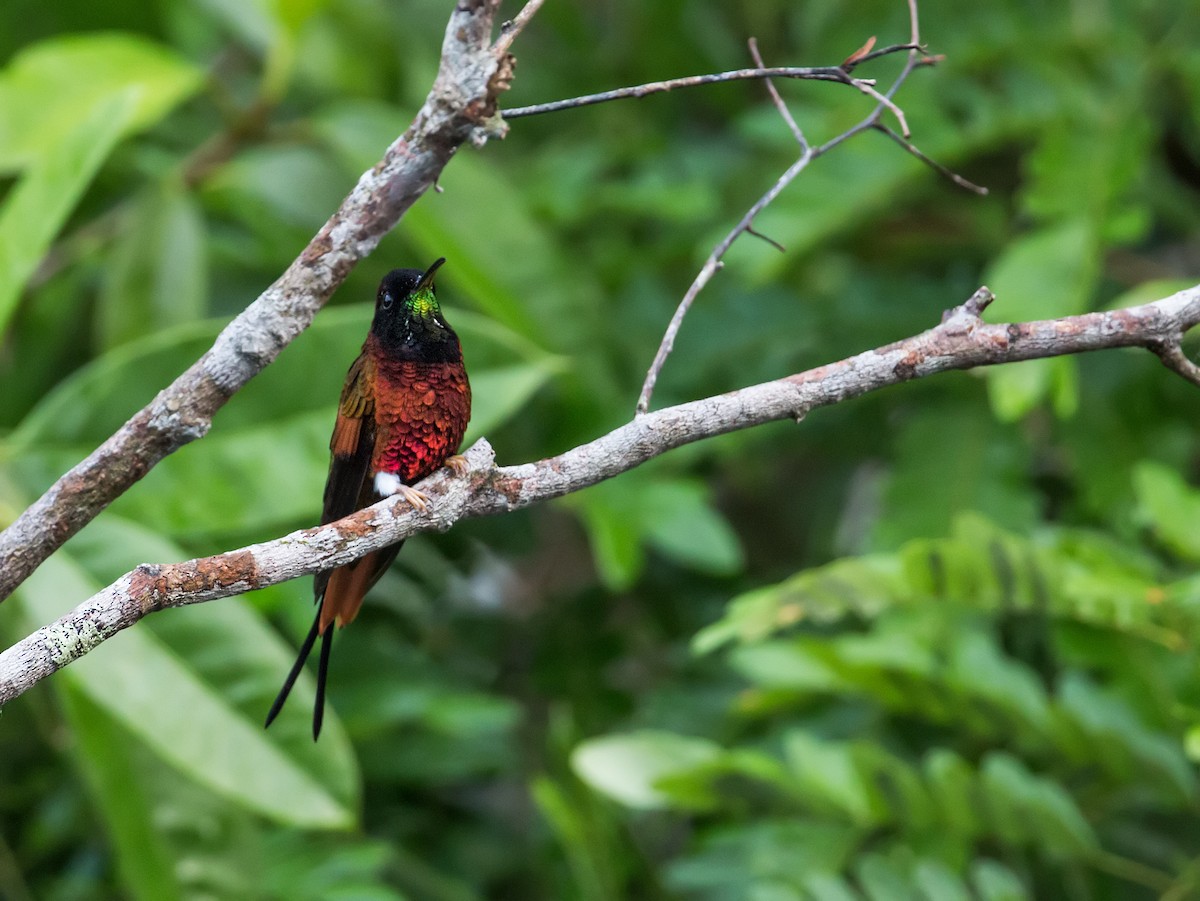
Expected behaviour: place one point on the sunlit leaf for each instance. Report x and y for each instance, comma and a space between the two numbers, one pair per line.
995, 882
49, 90
628, 767
37, 207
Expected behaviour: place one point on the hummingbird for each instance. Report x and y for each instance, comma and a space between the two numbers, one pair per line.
403, 412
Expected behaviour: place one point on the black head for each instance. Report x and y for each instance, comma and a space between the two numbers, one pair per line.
408, 321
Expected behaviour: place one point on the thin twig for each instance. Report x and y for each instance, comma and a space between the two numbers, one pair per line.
512, 28
766, 238
710, 268
866, 88
932, 164
876, 54
786, 113
816, 73
961, 341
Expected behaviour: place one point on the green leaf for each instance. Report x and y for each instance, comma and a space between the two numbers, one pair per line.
158, 273
1026, 808
285, 184
673, 515
50, 88
616, 543
936, 882
166, 704
94, 401
827, 887
1168, 506
500, 393
951, 784
1048, 273
629, 767
724, 780
854, 586
36, 208
738, 856
1086, 161
1130, 748
785, 664
681, 522
882, 881
976, 464
978, 668
589, 838
144, 858
829, 777
995, 882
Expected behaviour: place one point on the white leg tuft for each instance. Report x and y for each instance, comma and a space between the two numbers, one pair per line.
387, 483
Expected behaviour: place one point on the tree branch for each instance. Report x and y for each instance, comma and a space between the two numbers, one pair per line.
962, 341
808, 153
839, 74
461, 107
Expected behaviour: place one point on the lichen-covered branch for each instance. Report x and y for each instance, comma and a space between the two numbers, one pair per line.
962, 341
461, 107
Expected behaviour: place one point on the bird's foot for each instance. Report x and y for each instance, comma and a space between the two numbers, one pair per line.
458, 464
418, 499
388, 483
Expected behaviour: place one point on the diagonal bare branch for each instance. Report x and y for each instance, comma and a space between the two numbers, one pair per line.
460, 108
961, 341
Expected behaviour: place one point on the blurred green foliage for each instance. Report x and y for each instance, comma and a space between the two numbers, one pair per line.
939, 643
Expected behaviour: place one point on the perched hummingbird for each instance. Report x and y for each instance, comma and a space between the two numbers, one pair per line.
403, 412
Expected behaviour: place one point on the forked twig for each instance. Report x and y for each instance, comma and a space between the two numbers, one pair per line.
933, 164
884, 102
1173, 357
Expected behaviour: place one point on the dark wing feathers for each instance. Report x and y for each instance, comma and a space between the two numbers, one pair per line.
352, 443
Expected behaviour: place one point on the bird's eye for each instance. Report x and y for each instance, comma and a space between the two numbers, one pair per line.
386, 301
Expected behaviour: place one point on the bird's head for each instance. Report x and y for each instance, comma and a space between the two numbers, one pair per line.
408, 321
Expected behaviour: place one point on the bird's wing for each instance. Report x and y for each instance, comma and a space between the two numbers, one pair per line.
349, 488
353, 442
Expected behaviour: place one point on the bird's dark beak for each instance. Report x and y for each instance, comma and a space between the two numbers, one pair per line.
427, 279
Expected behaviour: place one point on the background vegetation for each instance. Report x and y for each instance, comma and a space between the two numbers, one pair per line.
936, 643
